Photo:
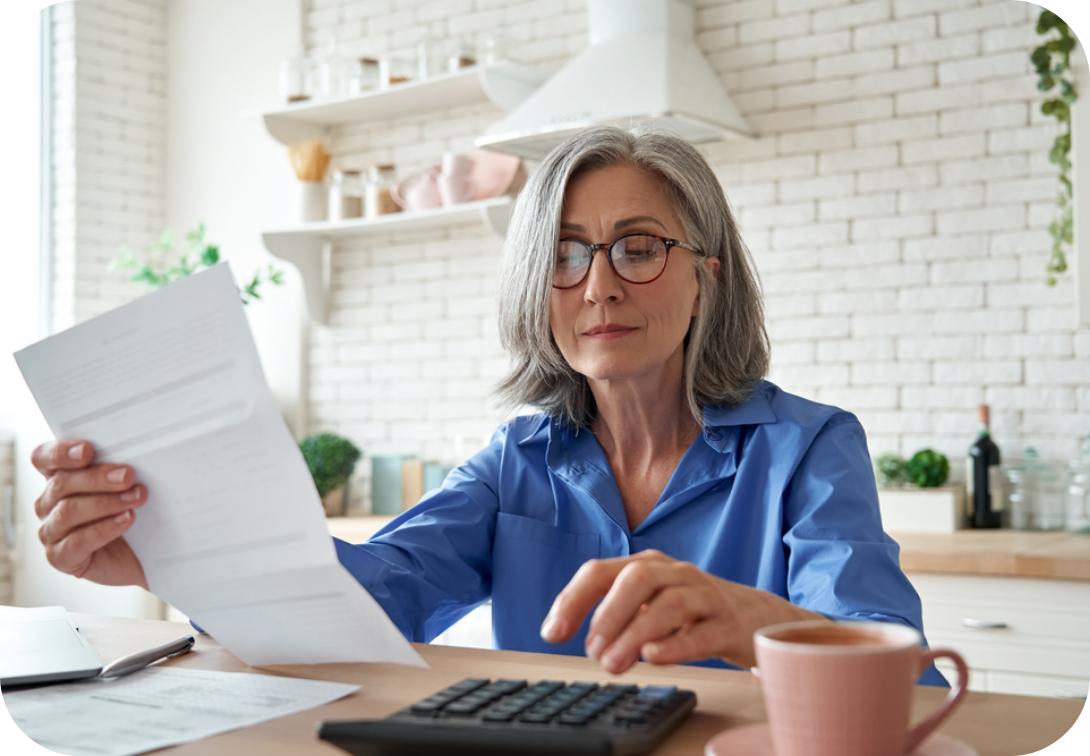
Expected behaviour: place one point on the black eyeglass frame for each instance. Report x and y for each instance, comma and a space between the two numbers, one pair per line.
592, 248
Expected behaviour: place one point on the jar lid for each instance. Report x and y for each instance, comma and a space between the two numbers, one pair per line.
384, 167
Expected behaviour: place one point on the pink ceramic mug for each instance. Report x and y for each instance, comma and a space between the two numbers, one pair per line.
845, 689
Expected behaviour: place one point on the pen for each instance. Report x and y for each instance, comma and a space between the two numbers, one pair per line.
135, 662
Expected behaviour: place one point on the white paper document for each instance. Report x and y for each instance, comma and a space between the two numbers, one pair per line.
158, 707
233, 533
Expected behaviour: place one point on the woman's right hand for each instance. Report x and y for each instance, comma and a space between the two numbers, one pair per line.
85, 511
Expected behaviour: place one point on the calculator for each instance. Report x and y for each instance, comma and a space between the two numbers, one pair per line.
478, 716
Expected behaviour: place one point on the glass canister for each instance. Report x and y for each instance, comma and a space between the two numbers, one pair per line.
333, 72
430, 60
365, 76
295, 76
377, 199
1037, 493
345, 196
1078, 492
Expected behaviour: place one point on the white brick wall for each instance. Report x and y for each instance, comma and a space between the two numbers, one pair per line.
109, 147
7, 478
896, 202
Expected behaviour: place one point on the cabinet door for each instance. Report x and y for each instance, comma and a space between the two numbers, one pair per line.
1017, 634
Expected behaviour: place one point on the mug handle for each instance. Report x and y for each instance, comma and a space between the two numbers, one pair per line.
957, 694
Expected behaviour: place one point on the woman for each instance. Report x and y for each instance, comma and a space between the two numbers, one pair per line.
663, 478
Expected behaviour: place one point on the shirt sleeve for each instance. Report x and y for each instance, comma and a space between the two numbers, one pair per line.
433, 563
840, 561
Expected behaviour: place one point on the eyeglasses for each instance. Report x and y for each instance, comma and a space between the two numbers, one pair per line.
637, 258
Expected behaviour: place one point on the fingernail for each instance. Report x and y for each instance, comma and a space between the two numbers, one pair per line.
116, 476
595, 646
132, 494
76, 452
616, 660
550, 628
123, 517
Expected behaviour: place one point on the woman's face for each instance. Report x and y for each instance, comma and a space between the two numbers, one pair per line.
607, 328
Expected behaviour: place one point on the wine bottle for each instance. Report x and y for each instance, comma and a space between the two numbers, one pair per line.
985, 501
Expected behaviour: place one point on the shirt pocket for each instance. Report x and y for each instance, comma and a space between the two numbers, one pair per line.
532, 562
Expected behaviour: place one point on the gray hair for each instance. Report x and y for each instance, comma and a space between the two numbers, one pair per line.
727, 349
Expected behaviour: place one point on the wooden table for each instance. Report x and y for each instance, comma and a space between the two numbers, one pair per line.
995, 725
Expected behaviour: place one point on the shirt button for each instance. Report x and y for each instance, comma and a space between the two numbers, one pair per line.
713, 436
577, 470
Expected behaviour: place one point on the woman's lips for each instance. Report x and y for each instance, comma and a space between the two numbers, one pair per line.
608, 332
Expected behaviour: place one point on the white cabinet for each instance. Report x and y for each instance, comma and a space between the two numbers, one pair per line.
1018, 635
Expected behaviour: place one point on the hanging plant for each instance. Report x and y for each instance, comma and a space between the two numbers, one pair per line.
1053, 63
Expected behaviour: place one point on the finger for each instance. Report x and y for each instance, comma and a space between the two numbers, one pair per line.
70, 514
73, 554
583, 591
701, 640
62, 454
670, 611
89, 480
592, 581
637, 584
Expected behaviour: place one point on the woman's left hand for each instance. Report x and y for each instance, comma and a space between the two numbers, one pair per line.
665, 611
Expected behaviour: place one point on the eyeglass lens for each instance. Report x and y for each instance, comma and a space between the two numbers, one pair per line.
636, 259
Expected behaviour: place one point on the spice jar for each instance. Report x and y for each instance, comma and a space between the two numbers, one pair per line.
345, 196
365, 76
377, 199
1037, 491
295, 76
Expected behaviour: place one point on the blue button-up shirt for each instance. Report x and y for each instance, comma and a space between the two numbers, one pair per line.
777, 494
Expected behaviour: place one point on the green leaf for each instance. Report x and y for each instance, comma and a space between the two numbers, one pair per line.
196, 236
1040, 57
928, 468
1047, 20
165, 243
210, 256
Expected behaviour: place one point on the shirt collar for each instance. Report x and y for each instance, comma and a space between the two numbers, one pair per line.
756, 410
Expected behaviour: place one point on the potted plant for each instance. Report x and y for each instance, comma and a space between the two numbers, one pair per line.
331, 460
912, 496
162, 270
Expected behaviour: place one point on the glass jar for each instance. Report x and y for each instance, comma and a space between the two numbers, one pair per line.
394, 71
494, 47
333, 72
377, 197
1078, 492
364, 77
295, 76
430, 60
461, 53
1037, 493
345, 196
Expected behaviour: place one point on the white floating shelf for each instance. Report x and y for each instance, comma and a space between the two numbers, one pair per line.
505, 84
307, 246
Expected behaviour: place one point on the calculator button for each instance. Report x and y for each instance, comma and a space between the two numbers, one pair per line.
536, 718
657, 693
573, 719
425, 709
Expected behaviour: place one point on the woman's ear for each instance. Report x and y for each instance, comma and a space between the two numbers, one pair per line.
711, 264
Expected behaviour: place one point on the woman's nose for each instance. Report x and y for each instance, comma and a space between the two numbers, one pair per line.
603, 285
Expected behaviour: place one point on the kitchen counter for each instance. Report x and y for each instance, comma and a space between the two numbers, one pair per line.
1002, 553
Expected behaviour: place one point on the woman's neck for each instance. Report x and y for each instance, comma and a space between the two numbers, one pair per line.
644, 420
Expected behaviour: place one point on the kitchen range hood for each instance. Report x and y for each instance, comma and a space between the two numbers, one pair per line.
642, 68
